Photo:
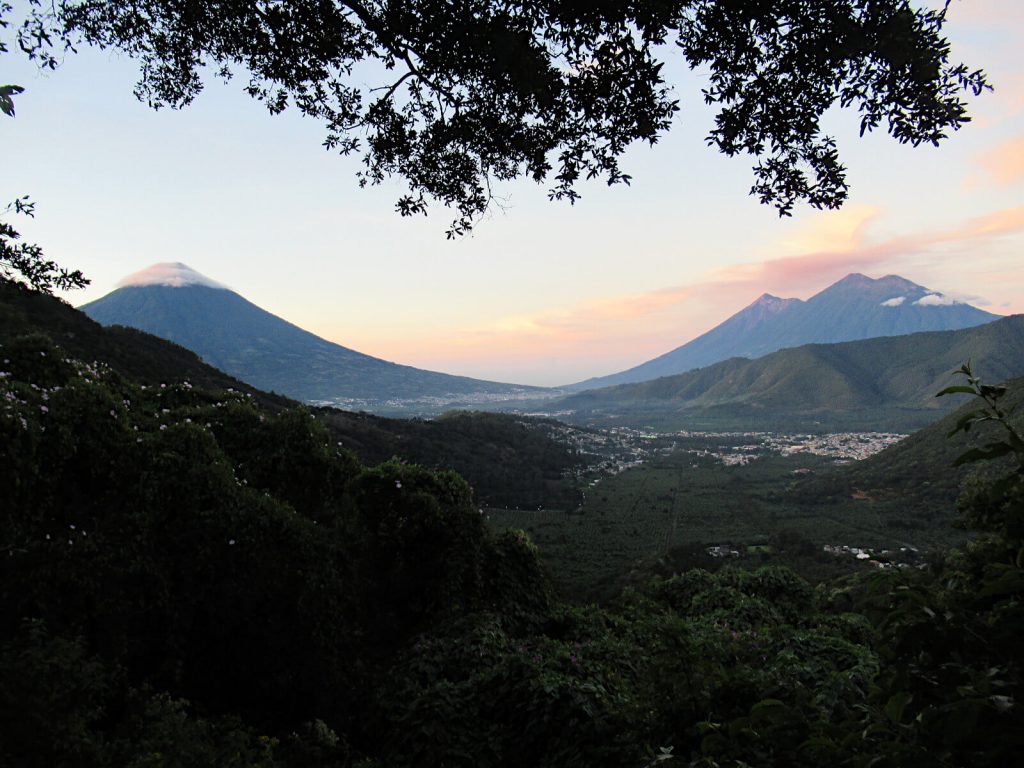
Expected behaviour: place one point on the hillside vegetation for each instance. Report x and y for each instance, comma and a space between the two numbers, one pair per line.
509, 460
135, 354
190, 578
661, 517
918, 473
885, 383
505, 461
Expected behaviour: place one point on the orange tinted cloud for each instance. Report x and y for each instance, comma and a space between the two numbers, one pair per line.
1004, 164
1004, 222
810, 270
840, 230
829, 245
584, 317
614, 333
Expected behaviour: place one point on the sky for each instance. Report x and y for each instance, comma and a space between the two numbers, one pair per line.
541, 292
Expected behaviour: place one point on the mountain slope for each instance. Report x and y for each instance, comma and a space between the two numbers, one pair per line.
132, 353
859, 380
924, 460
911, 487
238, 337
856, 307
509, 460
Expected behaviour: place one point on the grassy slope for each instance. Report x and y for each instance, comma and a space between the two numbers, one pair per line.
917, 472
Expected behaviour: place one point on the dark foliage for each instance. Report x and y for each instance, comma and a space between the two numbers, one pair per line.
509, 460
24, 264
506, 462
187, 578
193, 544
136, 355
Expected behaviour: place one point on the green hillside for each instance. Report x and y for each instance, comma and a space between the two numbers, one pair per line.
885, 383
913, 483
189, 578
505, 461
856, 307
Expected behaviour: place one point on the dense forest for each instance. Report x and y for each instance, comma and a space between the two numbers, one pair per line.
509, 460
189, 576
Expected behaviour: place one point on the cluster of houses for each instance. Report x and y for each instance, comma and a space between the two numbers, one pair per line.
885, 558
843, 447
902, 558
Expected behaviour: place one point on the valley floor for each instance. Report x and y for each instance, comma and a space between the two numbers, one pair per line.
661, 503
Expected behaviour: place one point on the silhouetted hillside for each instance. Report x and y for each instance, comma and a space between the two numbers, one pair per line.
506, 462
135, 354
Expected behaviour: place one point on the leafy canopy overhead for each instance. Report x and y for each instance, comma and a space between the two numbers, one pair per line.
469, 92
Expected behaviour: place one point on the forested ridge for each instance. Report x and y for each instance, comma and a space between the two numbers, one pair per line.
190, 578
507, 459
885, 383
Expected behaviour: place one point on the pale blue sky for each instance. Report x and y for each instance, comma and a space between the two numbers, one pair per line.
541, 293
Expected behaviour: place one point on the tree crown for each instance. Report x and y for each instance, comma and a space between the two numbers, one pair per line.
472, 93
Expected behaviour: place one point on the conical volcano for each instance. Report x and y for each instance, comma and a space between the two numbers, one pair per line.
854, 308
177, 303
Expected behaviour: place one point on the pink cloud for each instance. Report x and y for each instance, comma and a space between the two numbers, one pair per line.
1004, 222
584, 317
614, 333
